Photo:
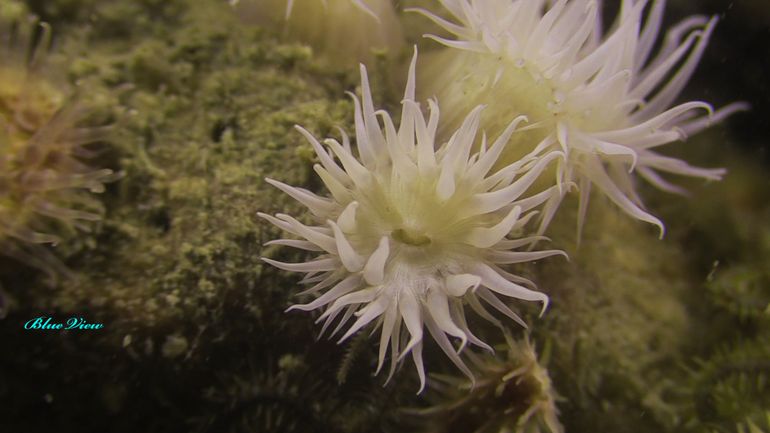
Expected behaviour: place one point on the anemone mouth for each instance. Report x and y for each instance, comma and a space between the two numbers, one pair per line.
410, 237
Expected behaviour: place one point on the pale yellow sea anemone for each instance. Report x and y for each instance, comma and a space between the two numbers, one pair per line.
344, 31
414, 231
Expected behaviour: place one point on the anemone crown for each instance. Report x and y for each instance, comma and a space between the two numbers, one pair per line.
413, 232
604, 99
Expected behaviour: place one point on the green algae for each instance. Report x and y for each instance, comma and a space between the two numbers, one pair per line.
209, 114
639, 332
617, 322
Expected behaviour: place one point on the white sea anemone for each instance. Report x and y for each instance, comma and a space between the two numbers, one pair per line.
602, 98
412, 231
345, 31
360, 4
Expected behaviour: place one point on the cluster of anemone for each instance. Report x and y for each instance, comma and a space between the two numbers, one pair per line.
422, 219
45, 185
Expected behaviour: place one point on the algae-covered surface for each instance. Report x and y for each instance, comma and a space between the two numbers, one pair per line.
642, 334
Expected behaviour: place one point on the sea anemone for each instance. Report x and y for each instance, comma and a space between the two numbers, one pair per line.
44, 183
360, 4
413, 231
601, 98
345, 31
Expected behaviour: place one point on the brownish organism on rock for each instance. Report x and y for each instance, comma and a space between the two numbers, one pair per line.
45, 184
512, 394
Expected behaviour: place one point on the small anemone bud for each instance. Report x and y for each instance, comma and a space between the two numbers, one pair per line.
45, 184
345, 31
513, 393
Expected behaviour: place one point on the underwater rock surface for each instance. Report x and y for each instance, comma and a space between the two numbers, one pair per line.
642, 335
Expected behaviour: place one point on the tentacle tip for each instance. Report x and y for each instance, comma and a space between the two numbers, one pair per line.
463, 344
546, 303
473, 383
422, 387
632, 167
743, 106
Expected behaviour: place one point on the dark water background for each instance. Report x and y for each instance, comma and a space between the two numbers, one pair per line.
735, 66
